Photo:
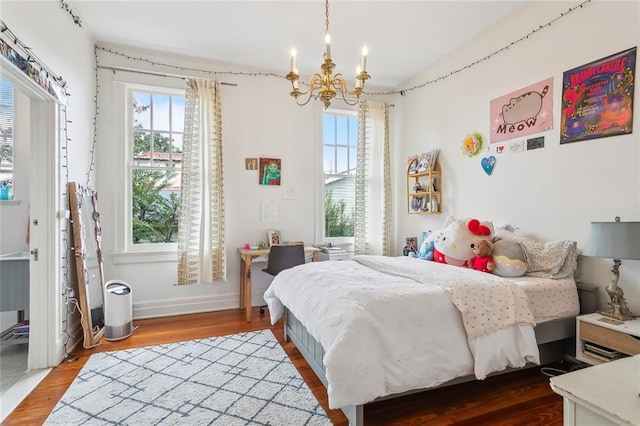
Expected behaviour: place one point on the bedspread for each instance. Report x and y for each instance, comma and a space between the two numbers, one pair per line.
487, 302
384, 333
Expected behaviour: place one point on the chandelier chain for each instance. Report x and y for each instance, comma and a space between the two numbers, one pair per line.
326, 13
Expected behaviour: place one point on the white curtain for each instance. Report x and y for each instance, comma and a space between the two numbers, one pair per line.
201, 250
373, 181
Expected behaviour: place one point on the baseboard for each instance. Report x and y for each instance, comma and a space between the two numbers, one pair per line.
185, 306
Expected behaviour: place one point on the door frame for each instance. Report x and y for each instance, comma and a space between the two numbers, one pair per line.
46, 344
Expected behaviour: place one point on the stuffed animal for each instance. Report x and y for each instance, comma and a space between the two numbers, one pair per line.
426, 249
510, 258
482, 260
453, 244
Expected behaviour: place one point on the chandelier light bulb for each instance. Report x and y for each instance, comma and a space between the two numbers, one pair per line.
293, 59
363, 65
327, 43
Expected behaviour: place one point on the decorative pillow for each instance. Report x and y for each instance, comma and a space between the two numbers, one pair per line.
553, 259
510, 258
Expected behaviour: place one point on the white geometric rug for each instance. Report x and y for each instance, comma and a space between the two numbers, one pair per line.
240, 379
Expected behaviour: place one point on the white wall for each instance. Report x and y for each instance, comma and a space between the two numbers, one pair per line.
550, 193
259, 119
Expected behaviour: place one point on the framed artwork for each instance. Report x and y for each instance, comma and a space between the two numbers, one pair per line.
270, 171
432, 158
597, 98
251, 164
274, 238
411, 246
412, 161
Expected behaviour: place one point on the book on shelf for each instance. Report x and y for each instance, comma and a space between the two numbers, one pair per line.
601, 353
594, 355
602, 350
330, 249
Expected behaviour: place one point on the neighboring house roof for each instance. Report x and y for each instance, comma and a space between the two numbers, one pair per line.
176, 156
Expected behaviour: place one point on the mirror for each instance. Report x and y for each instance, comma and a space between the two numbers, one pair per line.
87, 234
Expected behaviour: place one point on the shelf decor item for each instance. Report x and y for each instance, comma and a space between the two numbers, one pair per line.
274, 238
472, 144
615, 240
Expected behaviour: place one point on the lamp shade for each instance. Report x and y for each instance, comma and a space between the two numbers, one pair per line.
614, 240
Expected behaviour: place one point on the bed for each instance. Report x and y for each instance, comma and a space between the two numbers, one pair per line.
378, 327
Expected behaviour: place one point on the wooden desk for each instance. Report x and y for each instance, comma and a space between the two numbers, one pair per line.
246, 258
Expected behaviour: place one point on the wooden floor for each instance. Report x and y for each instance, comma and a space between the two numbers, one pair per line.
520, 398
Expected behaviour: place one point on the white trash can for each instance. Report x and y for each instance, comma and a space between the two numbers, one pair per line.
118, 307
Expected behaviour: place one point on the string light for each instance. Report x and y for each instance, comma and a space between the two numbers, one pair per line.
52, 77
95, 121
403, 92
76, 18
188, 69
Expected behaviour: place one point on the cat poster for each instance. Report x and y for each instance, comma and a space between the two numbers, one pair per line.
521, 113
597, 98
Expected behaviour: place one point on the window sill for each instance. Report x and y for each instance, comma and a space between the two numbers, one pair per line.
9, 202
129, 257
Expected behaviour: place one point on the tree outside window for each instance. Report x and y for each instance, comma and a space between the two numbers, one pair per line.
340, 141
157, 124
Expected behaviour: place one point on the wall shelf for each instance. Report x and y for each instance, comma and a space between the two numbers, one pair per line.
424, 188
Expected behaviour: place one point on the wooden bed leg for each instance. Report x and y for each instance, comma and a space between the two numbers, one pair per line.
355, 414
286, 323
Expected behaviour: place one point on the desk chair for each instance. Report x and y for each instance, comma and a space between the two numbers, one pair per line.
283, 257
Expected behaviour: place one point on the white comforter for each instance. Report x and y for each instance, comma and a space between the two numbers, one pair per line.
384, 333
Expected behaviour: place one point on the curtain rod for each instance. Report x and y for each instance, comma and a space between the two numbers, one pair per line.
155, 74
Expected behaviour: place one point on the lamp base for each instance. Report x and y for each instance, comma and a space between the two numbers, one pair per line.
618, 308
617, 314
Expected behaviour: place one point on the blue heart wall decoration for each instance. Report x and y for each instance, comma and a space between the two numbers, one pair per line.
488, 163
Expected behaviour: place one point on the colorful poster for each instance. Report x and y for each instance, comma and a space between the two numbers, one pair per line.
522, 113
270, 171
597, 98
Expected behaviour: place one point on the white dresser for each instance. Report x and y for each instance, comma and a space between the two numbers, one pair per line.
605, 394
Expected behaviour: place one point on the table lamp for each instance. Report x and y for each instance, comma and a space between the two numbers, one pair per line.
615, 240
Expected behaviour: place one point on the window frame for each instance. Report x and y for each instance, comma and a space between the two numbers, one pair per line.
346, 242
129, 89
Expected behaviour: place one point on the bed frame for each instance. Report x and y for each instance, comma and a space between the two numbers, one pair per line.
555, 339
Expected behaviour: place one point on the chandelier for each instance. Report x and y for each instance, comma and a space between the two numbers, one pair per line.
327, 85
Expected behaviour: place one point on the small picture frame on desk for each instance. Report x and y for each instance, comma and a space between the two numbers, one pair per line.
274, 238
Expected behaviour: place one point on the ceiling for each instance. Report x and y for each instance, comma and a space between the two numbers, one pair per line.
403, 37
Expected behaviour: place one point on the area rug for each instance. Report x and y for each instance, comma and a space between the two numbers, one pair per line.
239, 379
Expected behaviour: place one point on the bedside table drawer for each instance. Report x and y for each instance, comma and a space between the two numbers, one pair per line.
611, 339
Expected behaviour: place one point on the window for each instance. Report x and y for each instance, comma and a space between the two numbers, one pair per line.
157, 124
6, 140
339, 147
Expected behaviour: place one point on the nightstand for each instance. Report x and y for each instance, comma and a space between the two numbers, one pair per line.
601, 339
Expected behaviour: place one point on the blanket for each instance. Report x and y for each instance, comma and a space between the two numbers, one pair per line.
488, 304
384, 333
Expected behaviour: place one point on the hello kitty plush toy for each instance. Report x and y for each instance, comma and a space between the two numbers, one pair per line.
454, 243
